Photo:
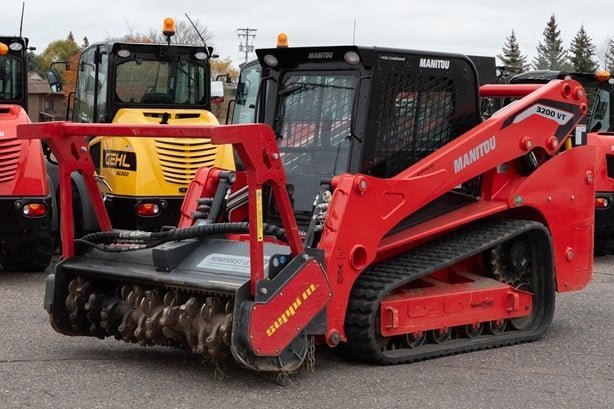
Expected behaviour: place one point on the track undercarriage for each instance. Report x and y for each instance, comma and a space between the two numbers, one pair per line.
447, 324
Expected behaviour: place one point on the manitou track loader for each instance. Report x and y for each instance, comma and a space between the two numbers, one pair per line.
596, 129
376, 214
144, 180
27, 232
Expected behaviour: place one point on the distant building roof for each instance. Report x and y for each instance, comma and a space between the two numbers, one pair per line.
37, 85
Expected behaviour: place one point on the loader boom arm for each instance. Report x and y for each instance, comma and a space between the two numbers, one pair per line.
542, 119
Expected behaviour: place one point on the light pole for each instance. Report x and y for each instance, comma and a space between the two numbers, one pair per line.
246, 34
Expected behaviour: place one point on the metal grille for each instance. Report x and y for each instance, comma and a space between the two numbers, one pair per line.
416, 118
315, 122
181, 158
9, 158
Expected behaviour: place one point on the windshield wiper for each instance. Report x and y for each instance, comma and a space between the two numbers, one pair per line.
180, 68
291, 89
300, 86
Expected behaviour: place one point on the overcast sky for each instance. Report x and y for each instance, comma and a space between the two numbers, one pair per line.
470, 27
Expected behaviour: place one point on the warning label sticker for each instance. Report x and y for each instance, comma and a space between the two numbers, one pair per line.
226, 262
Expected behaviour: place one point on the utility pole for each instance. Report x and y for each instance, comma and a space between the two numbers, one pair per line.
246, 34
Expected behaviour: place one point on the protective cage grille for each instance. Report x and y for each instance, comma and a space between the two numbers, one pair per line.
316, 123
416, 118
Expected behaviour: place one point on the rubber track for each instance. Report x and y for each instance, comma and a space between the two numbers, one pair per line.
379, 280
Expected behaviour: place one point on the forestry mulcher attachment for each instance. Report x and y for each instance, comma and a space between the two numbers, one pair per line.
376, 214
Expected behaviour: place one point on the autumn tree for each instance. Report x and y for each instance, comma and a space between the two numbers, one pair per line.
184, 34
131, 36
608, 55
59, 50
582, 52
512, 58
223, 67
550, 52
70, 76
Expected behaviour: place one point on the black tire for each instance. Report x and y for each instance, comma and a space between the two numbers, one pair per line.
601, 246
77, 211
32, 256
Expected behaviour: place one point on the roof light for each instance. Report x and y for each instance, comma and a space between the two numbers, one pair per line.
270, 60
200, 55
351, 57
602, 76
282, 40
15, 46
147, 209
34, 209
168, 28
4, 49
123, 53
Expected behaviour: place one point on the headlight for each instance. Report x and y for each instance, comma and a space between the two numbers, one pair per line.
351, 57
123, 53
16, 46
270, 60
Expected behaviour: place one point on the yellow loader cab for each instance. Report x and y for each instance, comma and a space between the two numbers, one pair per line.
145, 179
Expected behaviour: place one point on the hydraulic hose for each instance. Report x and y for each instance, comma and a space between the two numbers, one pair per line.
120, 241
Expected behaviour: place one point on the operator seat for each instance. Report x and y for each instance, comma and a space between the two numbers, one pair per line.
157, 98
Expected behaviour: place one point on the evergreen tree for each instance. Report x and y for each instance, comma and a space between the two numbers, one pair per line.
86, 42
70, 37
512, 59
582, 52
35, 64
550, 52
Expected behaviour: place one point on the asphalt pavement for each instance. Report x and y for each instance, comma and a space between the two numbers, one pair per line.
572, 366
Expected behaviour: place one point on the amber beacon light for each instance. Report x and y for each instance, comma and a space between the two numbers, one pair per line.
168, 27
282, 40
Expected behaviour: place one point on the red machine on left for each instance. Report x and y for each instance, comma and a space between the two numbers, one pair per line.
27, 204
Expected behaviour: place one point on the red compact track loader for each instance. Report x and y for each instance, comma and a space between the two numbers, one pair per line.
372, 211
27, 222
597, 129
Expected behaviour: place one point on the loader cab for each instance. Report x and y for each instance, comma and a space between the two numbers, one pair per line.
602, 111
120, 75
364, 110
599, 91
14, 71
145, 179
247, 93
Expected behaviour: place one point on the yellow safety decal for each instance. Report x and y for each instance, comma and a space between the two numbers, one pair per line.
291, 310
259, 214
